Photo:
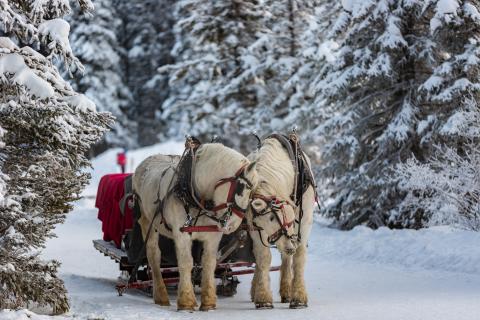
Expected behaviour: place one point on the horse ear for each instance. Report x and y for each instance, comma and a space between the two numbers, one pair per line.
251, 166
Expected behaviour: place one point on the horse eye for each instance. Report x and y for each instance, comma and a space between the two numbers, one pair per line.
272, 217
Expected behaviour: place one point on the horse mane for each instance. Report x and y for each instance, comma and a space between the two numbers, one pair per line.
219, 153
223, 162
275, 169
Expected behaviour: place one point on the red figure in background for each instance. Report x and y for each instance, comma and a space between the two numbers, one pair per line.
122, 160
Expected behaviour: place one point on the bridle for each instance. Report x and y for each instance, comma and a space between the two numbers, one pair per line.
211, 211
274, 205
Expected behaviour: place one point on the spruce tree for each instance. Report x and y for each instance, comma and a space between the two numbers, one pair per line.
208, 97
288, 55
445, 189
403, 70
48, 129
96, 41
146, 38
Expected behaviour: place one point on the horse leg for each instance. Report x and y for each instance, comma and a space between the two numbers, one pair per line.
209, 264
160, 295
254, 284
286, 278
263, 293
186, 297
299, 293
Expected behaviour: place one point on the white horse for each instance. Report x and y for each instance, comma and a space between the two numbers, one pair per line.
219, 174
276, 219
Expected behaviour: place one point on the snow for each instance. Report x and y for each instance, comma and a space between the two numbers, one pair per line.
360, 274
442, 10
432, 83
447, 6
136, 51
392, 37
58, 30
471, 11
13, 63
7, 43
456, 124
348, 5
401, 124
24, 315
81, 103
327, 50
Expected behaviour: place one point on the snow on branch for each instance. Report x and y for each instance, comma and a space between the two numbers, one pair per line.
41, 23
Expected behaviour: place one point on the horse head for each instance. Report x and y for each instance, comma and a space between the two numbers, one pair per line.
232, 195
273, 218
227, 178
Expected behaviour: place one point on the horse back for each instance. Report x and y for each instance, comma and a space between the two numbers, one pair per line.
153, 177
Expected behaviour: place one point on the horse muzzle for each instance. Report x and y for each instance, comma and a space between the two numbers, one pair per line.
287, 246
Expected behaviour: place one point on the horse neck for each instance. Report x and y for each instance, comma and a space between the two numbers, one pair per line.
214, 163
275, 170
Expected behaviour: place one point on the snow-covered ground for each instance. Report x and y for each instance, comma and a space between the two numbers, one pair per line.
360, 274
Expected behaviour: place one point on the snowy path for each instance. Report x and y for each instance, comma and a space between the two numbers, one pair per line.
359, 274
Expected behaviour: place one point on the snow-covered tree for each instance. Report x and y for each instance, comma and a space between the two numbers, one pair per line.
445, 190
49, 128
208, 96
147, 38
284, 59
95, 41
403, 70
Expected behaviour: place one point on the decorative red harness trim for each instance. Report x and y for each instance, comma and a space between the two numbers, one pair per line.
231, 193
280, 204
277, 233
230, 200
210, 228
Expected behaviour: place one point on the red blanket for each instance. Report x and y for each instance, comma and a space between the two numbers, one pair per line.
110, 191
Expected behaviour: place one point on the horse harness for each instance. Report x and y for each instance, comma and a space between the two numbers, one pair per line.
302, 180
185, 191
275, 206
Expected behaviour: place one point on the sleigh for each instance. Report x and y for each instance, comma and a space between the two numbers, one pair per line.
122, 242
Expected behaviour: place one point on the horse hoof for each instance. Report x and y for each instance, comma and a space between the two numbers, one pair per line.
208, 307
263, 305
189, 308
285, 300
298, 305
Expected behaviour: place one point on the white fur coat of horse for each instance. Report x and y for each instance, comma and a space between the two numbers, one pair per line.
276, 174
151, 182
